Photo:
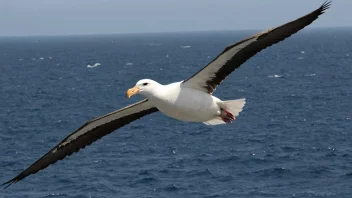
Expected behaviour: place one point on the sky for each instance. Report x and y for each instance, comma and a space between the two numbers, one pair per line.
71, 17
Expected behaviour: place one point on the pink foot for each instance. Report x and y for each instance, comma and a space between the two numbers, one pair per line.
227, 116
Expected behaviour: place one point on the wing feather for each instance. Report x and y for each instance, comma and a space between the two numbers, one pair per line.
235, 55
86, 135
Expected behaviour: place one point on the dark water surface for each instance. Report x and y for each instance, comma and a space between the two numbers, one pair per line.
293, 139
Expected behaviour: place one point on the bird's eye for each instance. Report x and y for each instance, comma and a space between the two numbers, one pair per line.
145, 84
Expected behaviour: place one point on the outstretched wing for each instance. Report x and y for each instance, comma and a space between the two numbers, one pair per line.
87, 134
235, 55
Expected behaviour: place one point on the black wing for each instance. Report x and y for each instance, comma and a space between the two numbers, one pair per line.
235, 55
87, 134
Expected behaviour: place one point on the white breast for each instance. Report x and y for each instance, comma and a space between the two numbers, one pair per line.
186, 104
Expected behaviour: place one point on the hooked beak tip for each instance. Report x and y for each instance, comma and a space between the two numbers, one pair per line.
132, 91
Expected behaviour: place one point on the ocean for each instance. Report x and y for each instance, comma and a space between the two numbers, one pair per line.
293, 138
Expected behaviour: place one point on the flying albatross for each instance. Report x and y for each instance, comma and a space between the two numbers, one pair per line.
188, 100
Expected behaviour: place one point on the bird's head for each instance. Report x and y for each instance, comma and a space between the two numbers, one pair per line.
145, 87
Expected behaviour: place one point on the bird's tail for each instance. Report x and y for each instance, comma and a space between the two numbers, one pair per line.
235, 106
232, 106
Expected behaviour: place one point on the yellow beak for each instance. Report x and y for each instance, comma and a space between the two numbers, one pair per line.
132, 91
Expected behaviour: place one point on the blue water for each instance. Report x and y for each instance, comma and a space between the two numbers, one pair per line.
293, 138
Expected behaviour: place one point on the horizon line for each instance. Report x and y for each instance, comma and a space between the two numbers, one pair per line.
157, 32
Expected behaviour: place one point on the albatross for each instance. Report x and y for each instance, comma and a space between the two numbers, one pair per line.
190, 100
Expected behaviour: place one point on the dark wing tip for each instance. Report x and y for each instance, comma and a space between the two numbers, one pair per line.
9, 183
325, 6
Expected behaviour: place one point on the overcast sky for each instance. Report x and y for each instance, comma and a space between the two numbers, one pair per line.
62, 17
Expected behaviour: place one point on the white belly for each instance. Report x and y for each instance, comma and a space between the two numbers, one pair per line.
187, 104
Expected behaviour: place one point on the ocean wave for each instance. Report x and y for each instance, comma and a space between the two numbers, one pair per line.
197, 173
226, 159
95, 65
172, 188
185, 46
145, 180
270, 172
275, 76
56, 195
